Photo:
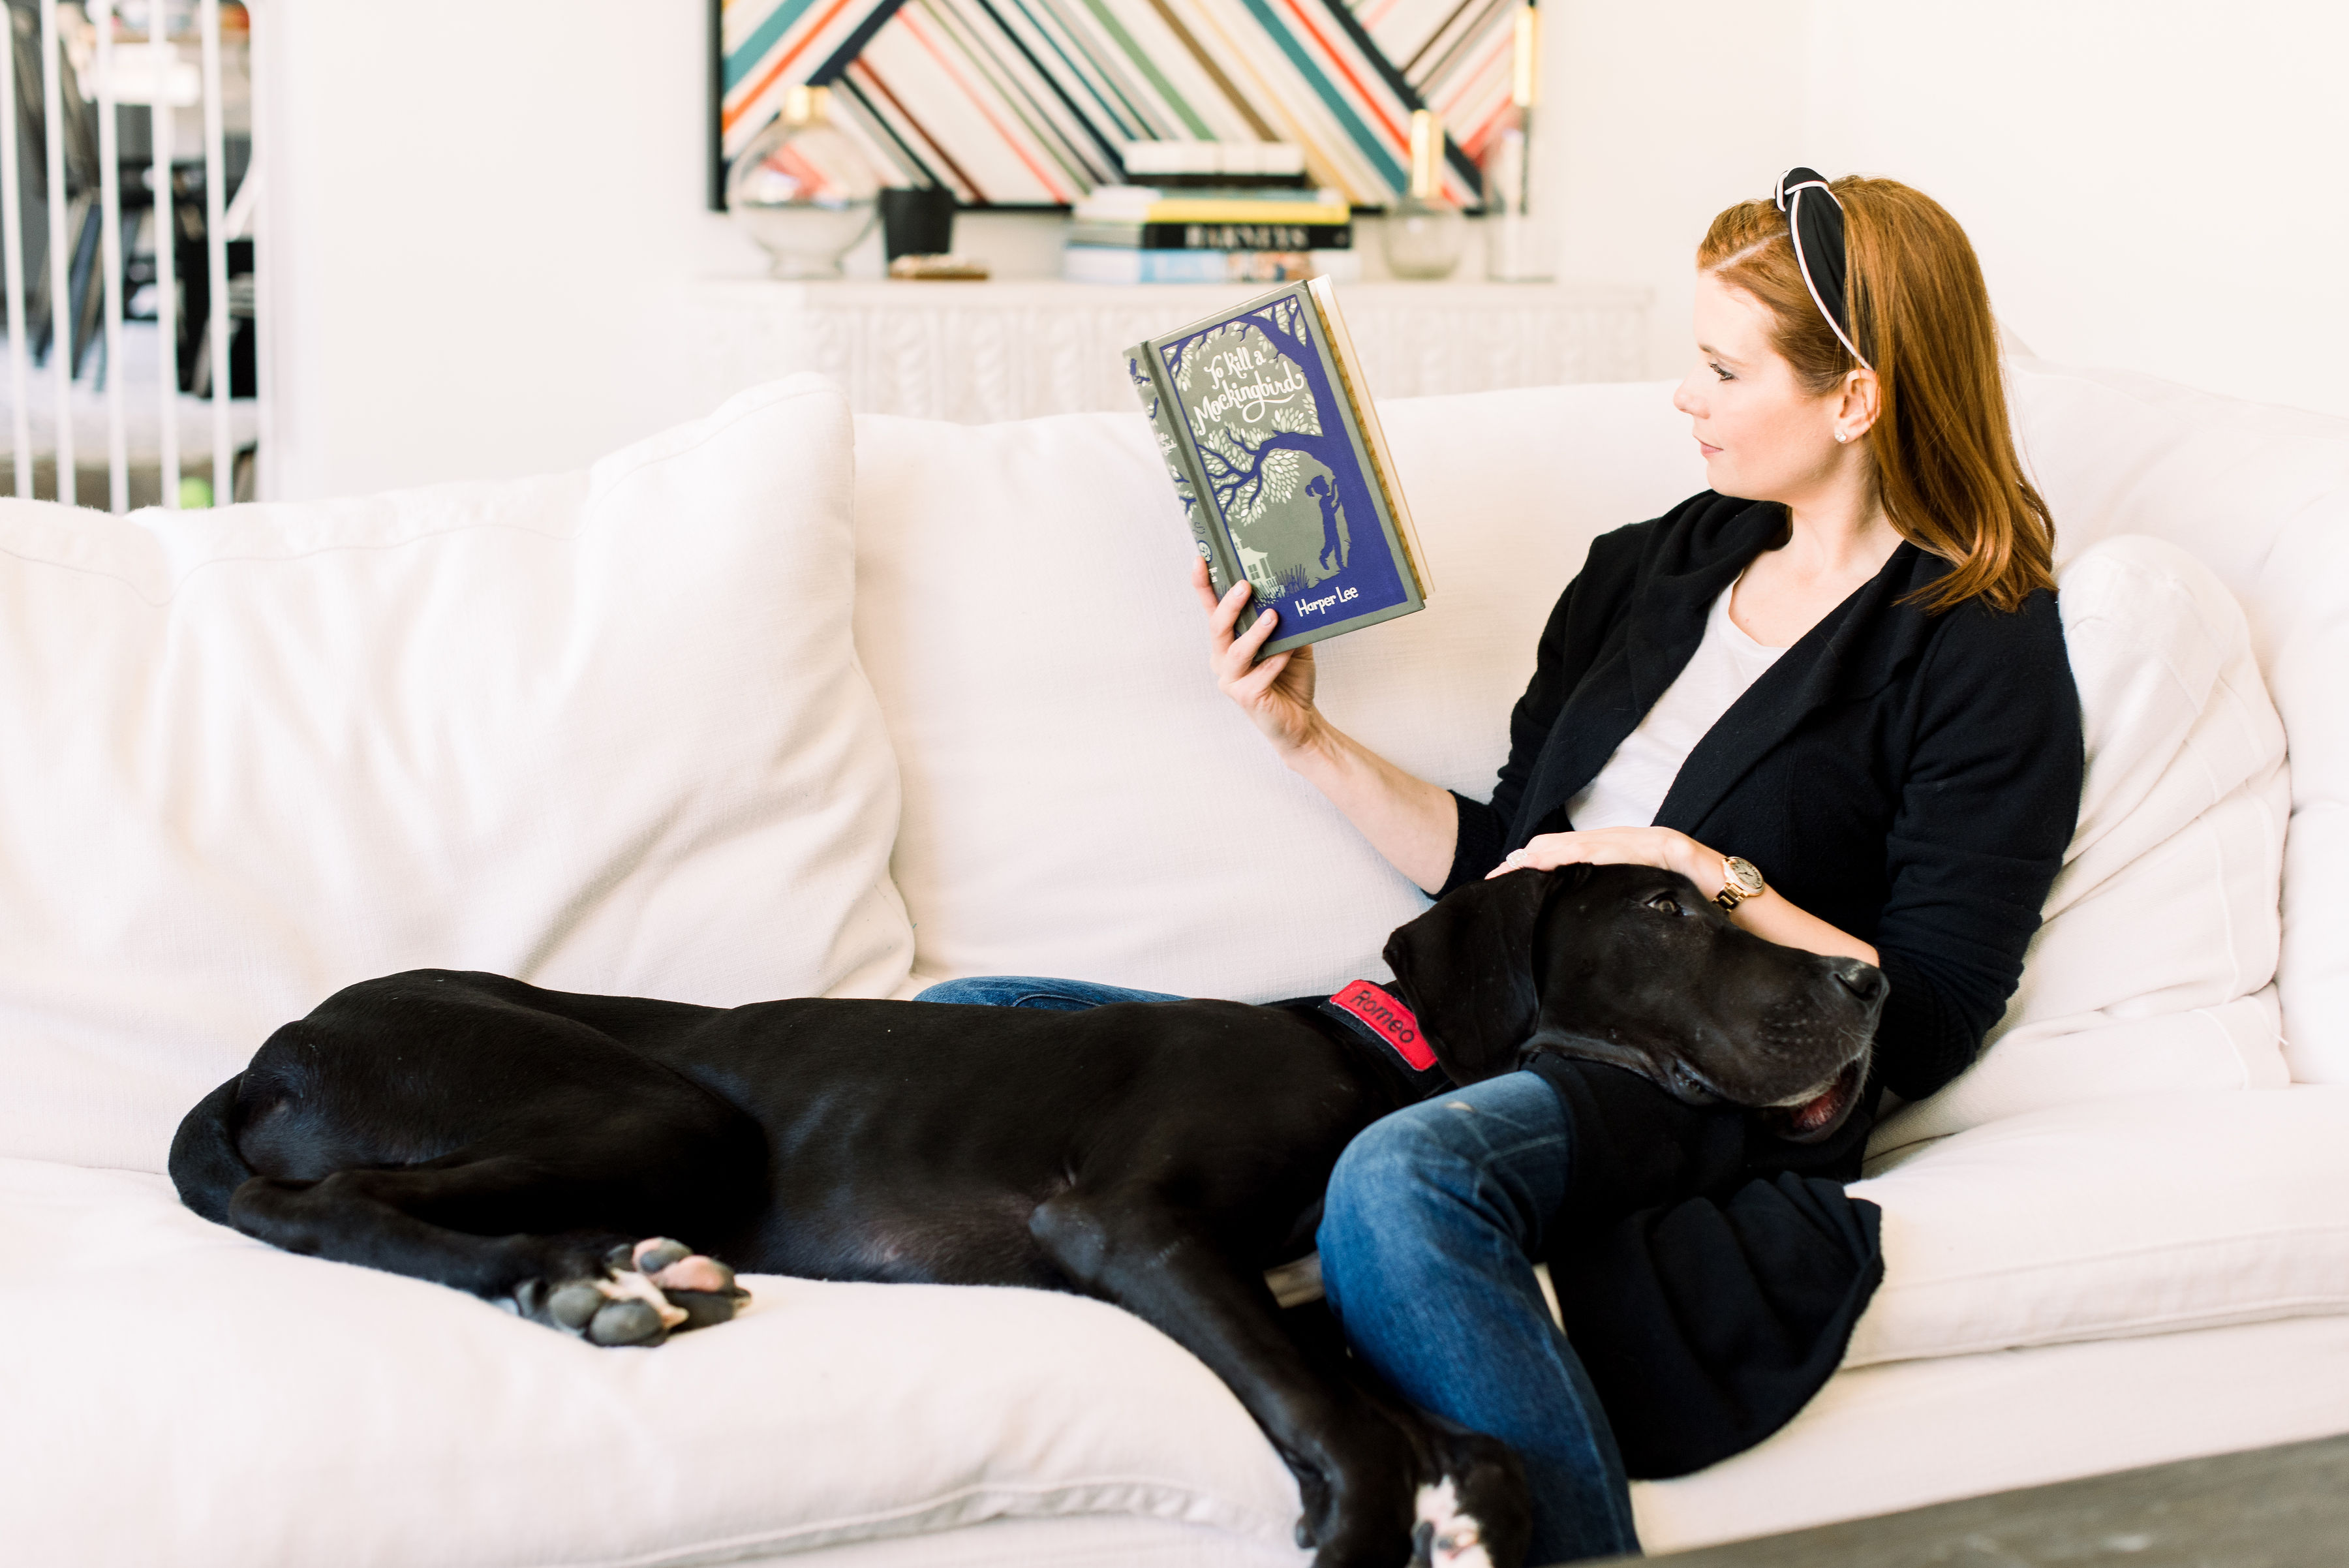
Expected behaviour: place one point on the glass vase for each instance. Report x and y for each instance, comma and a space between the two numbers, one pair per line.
804, 191
1423, 238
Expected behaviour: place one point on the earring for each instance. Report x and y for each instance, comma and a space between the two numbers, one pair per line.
1842, 436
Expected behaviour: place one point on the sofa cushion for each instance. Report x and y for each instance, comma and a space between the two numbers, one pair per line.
604, 731
2101, 1219
2153, 968
2261, 495
1886, 1438
207, 1400
1080, 799
276, 1408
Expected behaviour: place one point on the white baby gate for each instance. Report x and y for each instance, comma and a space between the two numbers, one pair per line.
153, 70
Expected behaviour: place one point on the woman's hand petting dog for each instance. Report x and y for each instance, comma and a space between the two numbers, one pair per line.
1769, 916
1665, 849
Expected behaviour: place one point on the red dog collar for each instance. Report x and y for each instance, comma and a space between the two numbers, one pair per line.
1386, 1018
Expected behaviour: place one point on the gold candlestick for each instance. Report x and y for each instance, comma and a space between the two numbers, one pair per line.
1515, 249
1424, 234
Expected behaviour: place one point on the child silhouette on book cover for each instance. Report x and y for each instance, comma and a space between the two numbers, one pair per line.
1295, 533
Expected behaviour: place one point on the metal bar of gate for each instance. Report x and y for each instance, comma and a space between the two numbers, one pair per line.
167, 233
260, 16
12, 238
109, 260
60, 269
216, 253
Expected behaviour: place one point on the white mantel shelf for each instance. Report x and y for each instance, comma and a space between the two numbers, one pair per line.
975, 352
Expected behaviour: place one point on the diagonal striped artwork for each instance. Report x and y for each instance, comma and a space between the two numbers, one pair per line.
1026, 103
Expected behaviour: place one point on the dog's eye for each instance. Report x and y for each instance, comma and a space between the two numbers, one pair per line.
1664, 904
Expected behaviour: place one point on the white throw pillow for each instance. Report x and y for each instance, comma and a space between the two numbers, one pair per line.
2261, 495
602, 732
1080, 799
2154, 969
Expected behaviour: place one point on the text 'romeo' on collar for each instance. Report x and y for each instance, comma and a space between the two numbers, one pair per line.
1385, 1016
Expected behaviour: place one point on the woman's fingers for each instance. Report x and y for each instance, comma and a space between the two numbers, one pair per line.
1258, 681
1227, 608
1199, 584
1222, 614
1255, 635
1235, 661
1545, 852
1662, 847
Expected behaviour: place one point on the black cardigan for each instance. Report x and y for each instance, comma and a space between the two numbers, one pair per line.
1910, 778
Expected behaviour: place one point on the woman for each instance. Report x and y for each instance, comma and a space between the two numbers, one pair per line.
1831, 691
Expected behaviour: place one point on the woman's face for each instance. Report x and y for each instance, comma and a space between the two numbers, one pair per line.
1763, 436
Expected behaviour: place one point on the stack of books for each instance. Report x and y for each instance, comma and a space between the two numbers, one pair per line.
1211, 212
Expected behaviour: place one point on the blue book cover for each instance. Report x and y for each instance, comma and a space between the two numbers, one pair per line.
1274, 451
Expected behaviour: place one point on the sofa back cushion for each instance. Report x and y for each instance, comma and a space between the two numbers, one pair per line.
602, 732
1080, 799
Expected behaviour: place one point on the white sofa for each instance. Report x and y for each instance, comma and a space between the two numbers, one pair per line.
757, 710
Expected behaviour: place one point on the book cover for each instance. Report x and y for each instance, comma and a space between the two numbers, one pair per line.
1267, 430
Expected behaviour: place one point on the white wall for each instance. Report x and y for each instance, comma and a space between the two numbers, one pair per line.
476, 213
2151, 184
481, 215
1652, 119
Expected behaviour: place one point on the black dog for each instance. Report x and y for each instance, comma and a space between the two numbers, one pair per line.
520, 1143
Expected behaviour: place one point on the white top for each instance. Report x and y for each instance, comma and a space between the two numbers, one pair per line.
1630, 789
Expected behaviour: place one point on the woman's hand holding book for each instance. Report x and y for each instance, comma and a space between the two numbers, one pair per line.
1277, 694
1411, 821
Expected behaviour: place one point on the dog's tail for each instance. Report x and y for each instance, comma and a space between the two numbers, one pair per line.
205, 1164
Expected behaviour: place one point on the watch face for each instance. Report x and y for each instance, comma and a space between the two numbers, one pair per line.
1742, 872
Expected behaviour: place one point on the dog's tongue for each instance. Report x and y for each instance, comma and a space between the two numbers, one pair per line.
1819, 1110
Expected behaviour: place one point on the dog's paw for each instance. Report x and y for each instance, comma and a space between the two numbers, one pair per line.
702, 1288
1445, 1534
1474, 1514
643, 1294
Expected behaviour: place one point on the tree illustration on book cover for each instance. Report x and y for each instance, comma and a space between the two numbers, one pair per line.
1284, 478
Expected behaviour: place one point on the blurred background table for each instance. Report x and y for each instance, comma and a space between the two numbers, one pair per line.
2284, 1507
977, 352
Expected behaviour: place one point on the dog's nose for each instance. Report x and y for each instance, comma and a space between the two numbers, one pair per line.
1864, 981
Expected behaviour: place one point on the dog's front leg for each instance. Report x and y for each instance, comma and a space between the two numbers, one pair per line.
1356, 1468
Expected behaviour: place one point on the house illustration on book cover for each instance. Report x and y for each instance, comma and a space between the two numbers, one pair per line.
1280, 464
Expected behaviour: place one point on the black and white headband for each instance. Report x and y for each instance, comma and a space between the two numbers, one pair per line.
1817, 228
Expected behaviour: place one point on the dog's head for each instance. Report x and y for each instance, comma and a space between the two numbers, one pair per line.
1633, 967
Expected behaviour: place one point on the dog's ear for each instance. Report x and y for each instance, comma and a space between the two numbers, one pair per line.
1466, 968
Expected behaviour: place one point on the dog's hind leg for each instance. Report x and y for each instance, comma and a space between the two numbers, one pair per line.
1357, 1469
505, 1229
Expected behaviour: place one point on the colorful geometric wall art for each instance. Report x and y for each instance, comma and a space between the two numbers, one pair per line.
1027, 103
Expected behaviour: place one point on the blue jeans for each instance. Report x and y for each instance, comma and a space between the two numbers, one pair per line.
1035, 991
1433, 1216
1433, 1219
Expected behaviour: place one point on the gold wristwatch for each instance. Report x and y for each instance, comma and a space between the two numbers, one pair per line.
1745, 882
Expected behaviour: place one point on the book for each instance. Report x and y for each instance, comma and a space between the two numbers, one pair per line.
1109, 263
1150, 204
1231, 163
1213, 236
1266, 429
